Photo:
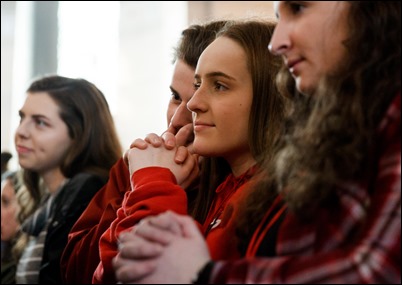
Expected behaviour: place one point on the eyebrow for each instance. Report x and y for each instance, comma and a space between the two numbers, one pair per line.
38, 116
173, 90
215, 74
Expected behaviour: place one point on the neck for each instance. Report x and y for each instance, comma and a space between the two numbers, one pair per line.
53, 180
241, 164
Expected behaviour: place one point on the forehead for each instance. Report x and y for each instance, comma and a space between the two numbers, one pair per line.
223, 43
40, 102
36, 97
182, 71
223, 53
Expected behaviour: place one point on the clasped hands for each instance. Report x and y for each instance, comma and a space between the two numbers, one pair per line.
167, 248
166, 151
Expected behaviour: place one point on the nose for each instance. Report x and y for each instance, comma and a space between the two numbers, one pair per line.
181, 117
280, 40
22, 130
195, 104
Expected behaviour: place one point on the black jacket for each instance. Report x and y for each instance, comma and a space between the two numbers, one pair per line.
68, 207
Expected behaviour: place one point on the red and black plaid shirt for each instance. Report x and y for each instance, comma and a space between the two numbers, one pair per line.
358, 241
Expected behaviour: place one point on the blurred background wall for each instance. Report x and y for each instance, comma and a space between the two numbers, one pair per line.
124, 47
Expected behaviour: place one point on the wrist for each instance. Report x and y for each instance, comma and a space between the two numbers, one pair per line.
204, 273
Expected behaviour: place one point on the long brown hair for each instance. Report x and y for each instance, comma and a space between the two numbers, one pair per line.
267, 109
329, 134
84, 109
192, 43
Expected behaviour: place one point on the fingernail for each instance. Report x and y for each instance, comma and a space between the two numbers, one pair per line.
170, 143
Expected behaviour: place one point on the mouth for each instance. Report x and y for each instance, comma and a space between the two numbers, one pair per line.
293, 64
22, 149
200, 126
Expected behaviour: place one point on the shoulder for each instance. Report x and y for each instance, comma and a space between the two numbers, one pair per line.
80, 188
85, 179
389, 130
392, 118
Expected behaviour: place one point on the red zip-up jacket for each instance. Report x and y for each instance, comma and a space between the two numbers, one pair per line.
155, 191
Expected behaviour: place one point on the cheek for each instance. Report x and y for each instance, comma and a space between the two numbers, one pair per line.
7, 215
61, 152
53, 154
61, 143
332, 55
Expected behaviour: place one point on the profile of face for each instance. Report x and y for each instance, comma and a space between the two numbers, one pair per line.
41, 139
9, 209
222, 101
309, 36
182, 90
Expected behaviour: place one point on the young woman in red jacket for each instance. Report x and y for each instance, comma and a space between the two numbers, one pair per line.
234, 84
82, 247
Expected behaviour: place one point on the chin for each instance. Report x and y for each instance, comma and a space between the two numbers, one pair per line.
26, 166
201, 151
303, 88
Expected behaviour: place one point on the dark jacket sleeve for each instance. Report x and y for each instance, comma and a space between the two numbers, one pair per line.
81, 254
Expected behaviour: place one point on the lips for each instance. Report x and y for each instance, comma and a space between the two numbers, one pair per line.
199, 126
292, 65
22, 149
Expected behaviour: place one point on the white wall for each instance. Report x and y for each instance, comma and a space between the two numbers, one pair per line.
129, 59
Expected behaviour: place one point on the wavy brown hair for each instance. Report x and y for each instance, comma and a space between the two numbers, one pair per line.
329, 134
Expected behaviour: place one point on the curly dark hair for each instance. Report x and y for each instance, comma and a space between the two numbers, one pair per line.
328, 135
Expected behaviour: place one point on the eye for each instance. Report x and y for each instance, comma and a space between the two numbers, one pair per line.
196, 85
5, 201
40, 123
21, 115
174, 97
295, 7
219, 87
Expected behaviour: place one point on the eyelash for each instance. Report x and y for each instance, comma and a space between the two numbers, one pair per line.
196, 85
217, 86
40, 122
295, 7
175, 97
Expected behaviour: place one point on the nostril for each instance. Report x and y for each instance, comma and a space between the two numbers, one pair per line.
281, 50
